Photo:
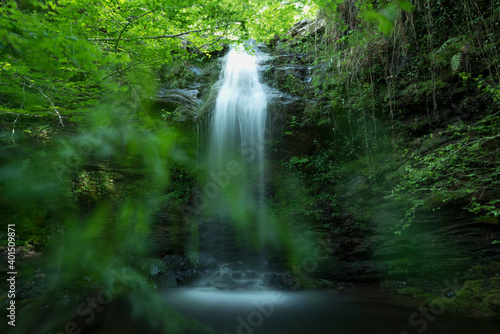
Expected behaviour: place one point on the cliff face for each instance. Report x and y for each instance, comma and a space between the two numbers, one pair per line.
394, 139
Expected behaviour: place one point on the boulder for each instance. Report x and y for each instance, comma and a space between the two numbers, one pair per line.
186, 270
306, 27
167, 280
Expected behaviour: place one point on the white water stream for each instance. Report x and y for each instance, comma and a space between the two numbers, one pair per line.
234, 219
239, 122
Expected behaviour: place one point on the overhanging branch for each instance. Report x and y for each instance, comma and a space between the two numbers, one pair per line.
154, 37
32, 85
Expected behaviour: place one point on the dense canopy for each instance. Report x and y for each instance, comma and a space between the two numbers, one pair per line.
48, 48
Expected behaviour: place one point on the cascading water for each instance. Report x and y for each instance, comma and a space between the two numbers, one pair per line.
239, 120
235, 178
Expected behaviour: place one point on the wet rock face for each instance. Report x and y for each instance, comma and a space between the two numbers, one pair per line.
187, 271
180, 100
167, 280
280, 103
187, 97
185, 88
288, 73
287, 78
442, 245
306, 27
446, 241
280, 281
233, 277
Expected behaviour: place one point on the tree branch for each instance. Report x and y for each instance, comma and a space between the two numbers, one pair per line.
51, 104
135, 18
56, 112
28, 115
14, 130
129, 66
152, 37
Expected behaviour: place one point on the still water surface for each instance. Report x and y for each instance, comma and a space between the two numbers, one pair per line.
277, 312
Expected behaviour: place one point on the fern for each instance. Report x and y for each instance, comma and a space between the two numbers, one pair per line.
455, 62
446, 44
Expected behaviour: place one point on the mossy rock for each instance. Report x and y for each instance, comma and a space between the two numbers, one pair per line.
152, 267
37, 240
417, 293
485, 270
459, 305
492, 301
322, 284
427, 297
399, 267
495, 282
471, 290
477, 297
489, 220
410, 292
464, 306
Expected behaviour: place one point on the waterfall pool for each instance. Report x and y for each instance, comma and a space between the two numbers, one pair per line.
318, 312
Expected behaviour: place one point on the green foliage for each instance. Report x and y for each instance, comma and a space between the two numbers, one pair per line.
42, 194
387, 16
311, 180
464, 165
296, 161
377, 95
69, 73
96, 49
93, 186
455, 62
293, 84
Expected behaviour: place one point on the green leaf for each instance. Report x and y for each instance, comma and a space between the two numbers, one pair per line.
384, 23
295, 160
406, 5
456, 61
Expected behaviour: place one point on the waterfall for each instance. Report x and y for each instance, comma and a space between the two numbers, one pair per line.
239, 122
236, 152
240, 112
